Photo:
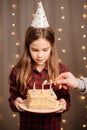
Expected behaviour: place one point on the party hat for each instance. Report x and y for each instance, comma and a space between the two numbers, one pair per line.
40, 19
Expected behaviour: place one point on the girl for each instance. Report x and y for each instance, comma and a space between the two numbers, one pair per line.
38, 63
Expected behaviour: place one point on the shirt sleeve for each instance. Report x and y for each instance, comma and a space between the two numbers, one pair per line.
82, 85
13, 90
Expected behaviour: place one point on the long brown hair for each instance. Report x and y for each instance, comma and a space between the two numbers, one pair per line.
25, 63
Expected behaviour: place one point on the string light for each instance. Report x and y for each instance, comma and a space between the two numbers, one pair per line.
84, 58
14, 6
84, 16
64, 50
13, 33
86, 66
60, 29
85, 6
62, 17
64, 121
15, 40
62, 7
14, 115
81, 76
82, 97
59, 39
17, 55
60, 60
84, 35
13, 14
84, 125
83, 47
13, 25
82, 26
17, 43
12, 66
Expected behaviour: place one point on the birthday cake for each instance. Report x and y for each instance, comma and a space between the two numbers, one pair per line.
41, 99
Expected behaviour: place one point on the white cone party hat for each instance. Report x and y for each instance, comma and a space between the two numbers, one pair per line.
40, 19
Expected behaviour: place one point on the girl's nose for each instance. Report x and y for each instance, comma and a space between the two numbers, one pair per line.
40, 54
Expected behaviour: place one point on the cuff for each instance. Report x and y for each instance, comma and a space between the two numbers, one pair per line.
82, 85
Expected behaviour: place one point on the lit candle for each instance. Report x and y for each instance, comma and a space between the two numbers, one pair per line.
34, 89
50, 84
44, 84
51, 87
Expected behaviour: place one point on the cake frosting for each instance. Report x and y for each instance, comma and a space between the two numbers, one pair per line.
41, 99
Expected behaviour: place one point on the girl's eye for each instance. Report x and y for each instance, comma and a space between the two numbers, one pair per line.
34, 50
45, 49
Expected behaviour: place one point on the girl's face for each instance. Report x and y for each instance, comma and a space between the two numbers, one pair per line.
40, 51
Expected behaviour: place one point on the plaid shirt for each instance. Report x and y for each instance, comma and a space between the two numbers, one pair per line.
36, 121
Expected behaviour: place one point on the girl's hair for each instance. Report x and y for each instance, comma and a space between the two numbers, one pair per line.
25, 63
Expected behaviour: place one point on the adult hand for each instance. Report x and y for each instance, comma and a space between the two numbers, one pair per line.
67, 79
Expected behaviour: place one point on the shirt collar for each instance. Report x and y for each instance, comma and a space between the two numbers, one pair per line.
34, 68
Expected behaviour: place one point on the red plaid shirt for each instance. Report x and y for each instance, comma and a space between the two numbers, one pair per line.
36, 121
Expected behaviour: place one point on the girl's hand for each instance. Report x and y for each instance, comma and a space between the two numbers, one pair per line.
62, 104
17, 102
